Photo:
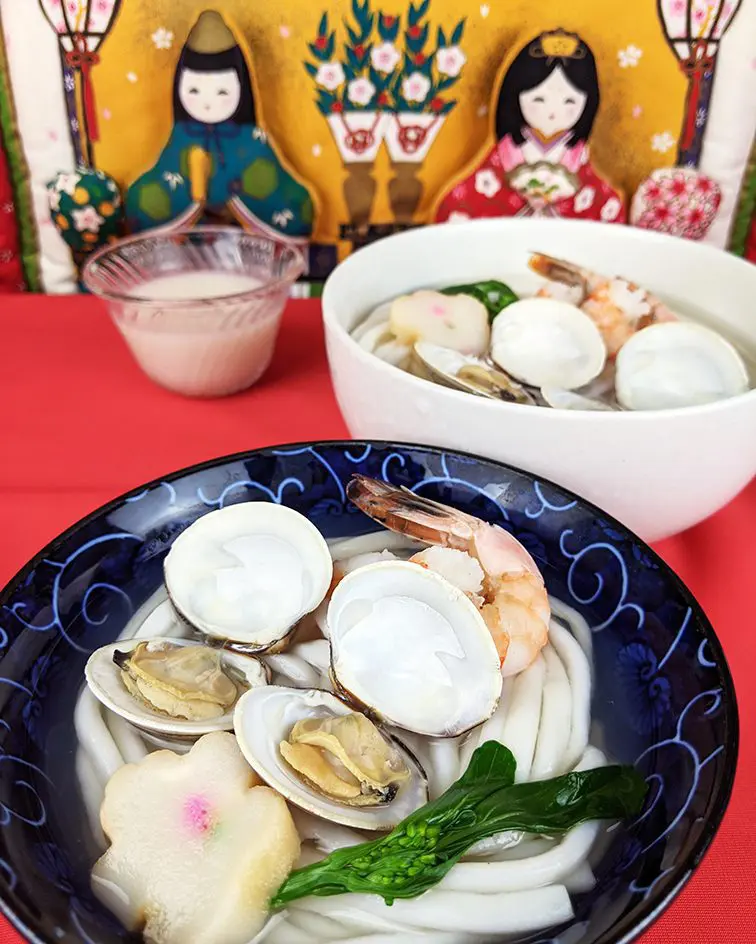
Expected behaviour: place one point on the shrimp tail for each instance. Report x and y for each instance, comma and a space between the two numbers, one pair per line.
556, 270
404, 512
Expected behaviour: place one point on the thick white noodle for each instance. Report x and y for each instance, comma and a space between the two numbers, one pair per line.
327, 836
581, 879
132, 748
410, 936
295, 669
519, 875
458, 911
94, 737
493, 729
379, 315
320, 927
554, 729
591, 758
444, 766
524, 717
376, 541
308, 855
578, 671
577, 623
525, 849
92, 792
286, 933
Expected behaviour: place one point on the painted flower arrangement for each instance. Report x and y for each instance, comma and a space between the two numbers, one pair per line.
681, 201
377, 72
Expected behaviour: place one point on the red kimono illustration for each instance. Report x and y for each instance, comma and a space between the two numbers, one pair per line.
538, 178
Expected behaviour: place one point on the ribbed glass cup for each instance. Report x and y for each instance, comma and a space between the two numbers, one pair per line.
199, 309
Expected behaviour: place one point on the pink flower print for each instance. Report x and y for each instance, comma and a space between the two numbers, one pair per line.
637, 111
706, 186
72, 6
449, 60
677, 186
198, 816
677, 7
385, 57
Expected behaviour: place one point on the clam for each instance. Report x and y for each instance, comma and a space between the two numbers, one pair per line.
547, 343
464, 372
676, 364
412, 649
330, 760
174, 687
248, 573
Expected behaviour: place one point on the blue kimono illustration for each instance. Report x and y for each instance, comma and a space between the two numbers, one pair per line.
217, 160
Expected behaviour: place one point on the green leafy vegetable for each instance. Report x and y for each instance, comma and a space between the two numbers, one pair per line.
493, 294
484, 801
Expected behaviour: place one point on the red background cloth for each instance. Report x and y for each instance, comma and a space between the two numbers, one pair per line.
81, 424
11, 273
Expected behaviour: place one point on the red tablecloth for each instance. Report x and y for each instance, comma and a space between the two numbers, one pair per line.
81, 424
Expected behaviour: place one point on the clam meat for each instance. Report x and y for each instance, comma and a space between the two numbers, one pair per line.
412, 649
172, 686
327, 758
248, 573
471, 374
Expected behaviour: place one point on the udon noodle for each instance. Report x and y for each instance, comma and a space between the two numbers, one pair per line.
511, 883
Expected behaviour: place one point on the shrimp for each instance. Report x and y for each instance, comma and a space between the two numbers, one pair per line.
482, 559
617, 306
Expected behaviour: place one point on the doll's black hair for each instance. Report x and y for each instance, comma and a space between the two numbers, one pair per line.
528, 70
217, 62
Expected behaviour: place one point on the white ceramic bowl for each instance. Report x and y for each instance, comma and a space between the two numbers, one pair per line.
659, 472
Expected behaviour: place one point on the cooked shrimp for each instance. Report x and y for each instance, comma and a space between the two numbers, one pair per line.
617, 306
483, 560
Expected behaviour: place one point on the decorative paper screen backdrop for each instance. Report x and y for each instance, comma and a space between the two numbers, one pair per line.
338, 121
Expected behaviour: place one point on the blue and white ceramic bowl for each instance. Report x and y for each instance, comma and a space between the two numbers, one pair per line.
664, 697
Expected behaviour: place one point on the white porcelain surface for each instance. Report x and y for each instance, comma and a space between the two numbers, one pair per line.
658, 472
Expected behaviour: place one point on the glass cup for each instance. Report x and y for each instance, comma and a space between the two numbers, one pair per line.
199, 309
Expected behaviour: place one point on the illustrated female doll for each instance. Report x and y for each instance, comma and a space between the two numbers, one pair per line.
218, 163
540, 164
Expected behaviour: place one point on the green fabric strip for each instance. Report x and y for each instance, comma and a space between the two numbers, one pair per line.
27, 229
746, 208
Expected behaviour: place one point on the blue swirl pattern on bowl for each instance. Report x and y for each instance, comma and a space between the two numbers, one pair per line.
663, 699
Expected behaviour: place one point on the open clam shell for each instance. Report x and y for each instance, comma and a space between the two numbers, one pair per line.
677, 364
248, 573
105, 679
413, 649
547, 343
264, 718
471, 374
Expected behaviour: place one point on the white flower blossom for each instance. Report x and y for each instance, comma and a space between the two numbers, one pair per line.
67, 183
172, 179
457, 216
487, 183
282, 218
162, 38
629, 57
132, 77
87, 218
584, 199
360, 91
259, 134
610, 210
662, 142
415, 87
68, 82
449, 60
385, 57
330, 75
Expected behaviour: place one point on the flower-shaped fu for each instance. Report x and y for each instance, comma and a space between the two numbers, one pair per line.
198, 847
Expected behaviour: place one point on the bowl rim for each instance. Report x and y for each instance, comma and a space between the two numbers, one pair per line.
299, 265
631, 925
497, 407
